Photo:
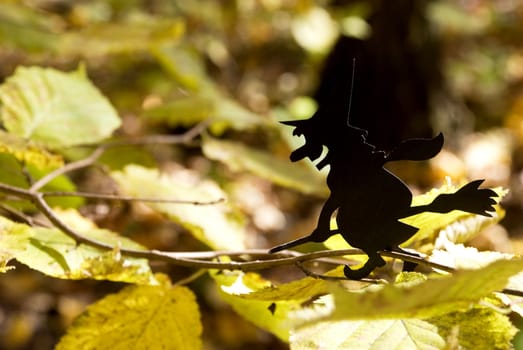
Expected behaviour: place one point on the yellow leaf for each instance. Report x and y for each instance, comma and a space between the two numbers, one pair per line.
265, 305
221, 226
138, 317
55, 254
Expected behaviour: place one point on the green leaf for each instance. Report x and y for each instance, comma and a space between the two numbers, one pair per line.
239, 157
14, 174
55, 254
477, 328
54, 108
204, 101
267, 306
423, 299
218, 225
130, 36
24, 28
184, 111
138, 317
116, 158
60, 183
365, 335
183, 64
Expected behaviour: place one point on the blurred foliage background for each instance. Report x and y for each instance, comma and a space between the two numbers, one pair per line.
422, 67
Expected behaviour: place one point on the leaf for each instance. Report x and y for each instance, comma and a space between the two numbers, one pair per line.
54, 108
432, 297
130, 36
14, 174
183, 64
138, 317
14, 239
461, 257
239, 157
362, 335
116, 158
185, 111
218, 225
205, 100
266, 306
477, 328
27, 152
24, 28
53, 253
300, 290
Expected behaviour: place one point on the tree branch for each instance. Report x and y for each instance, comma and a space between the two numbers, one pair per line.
108, 196
262, 259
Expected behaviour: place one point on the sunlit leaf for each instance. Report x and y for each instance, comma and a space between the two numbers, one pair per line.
462, 257
435, 296
301, 290
55, 254
54, 108
14, 238
280, 171
362, 335
463, 230
138, 317
477, 328
267, 306
219, 225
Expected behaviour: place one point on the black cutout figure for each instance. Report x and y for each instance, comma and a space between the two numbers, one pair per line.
369, 200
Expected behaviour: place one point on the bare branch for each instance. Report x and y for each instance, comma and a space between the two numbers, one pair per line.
247, 260
118, 197
416, 260
79, 164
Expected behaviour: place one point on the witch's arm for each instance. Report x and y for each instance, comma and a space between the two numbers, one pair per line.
322, 231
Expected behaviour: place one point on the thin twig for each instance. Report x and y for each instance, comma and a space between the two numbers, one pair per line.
21, 217
79, 164
312, 274
194, 276
108, 196
416, 260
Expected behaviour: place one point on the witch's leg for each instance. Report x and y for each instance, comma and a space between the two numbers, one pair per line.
375, 260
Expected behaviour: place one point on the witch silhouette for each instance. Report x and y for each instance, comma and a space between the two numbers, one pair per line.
366, 198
